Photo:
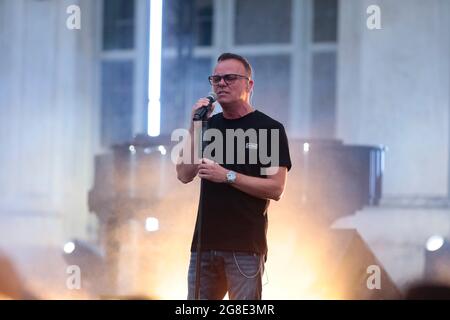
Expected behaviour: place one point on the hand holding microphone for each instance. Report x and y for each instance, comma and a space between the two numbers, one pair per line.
204, 106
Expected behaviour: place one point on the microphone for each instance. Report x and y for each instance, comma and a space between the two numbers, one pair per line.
201, 112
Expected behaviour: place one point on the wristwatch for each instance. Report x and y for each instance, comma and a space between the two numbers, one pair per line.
231, 176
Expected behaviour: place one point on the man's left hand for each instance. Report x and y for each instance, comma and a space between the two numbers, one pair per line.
212, 171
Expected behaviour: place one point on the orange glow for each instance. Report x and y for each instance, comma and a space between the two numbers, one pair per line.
155, 264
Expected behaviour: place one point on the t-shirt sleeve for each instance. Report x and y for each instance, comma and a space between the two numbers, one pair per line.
285, 157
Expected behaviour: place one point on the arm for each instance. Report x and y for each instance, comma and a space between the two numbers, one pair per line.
271, 187
186, 172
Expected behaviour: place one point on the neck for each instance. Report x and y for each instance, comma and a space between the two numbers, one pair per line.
236, 110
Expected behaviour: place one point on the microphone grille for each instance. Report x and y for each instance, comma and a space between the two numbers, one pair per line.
213, 96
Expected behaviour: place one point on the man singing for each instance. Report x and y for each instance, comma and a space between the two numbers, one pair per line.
237, 187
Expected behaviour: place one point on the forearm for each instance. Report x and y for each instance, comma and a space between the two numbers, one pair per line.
259, 187
270, 187
186, 167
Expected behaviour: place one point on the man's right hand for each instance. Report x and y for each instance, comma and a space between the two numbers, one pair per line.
201, 103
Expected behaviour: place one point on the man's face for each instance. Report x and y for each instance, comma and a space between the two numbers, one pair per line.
235, 90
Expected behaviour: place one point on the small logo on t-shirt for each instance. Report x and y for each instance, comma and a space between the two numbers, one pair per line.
252, 146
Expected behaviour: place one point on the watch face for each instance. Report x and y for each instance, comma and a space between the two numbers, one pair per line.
231, 176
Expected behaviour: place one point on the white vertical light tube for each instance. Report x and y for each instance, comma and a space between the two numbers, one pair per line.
154, 68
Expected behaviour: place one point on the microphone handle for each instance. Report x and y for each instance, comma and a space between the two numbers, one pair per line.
200, 113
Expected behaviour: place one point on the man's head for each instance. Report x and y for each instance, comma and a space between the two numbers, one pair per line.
232, 79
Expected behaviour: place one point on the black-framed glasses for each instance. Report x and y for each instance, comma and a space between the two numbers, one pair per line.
228, 78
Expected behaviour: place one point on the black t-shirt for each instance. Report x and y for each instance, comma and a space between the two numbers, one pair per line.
233, 220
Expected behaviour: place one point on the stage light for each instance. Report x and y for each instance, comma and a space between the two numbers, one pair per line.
434, 243
132, 149
154, 68
437, 260
81, 250
91, 262
69, 247
162, 149
151, 224
306, 147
